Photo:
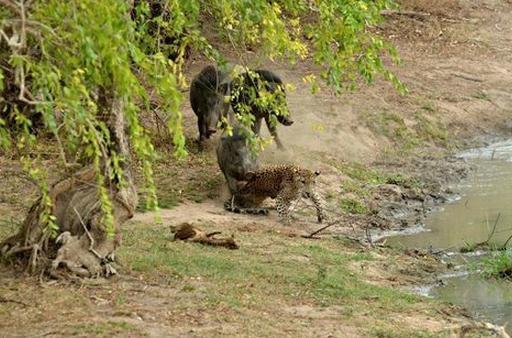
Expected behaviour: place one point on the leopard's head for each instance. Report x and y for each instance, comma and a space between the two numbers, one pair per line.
305, 180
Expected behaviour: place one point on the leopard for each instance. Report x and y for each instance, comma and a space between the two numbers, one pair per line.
285, 183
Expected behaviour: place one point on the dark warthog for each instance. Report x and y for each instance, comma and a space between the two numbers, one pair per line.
247, 90
207, 92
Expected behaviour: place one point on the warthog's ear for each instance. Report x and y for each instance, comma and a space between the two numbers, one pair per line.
317, 172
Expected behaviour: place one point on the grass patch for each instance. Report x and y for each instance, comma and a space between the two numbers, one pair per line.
428, 107
424, 127
388, 331
363, 179
254, 278
359, 172
362, 182
393, 126
430, 129
353, 206
356, 188
497, 265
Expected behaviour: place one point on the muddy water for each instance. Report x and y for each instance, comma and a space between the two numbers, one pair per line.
485, 203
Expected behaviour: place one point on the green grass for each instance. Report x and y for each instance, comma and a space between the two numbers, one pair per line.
359, 172
430, 129
353, 206
323, 279
428, 107
388, 331
363, 177
393, 126
357, 188
497, 265
362, 181
424, 127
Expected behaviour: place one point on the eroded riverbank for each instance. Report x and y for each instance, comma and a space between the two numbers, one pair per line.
481, 214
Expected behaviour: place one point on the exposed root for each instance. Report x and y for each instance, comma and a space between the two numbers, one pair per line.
188, 232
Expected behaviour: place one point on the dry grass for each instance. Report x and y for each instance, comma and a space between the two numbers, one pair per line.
440, 8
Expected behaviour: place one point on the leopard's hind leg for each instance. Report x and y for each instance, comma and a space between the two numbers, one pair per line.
231, 206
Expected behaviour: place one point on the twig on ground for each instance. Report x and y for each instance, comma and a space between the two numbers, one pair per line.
330, 224
341, 216
7, 300
15, 249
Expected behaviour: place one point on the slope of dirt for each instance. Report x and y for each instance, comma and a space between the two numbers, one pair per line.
457, 64
460, 79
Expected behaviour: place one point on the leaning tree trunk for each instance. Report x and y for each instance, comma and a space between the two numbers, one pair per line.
83, 246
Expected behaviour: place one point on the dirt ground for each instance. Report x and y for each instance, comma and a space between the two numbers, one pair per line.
385, 162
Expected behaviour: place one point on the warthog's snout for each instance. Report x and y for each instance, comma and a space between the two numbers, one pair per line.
288, 122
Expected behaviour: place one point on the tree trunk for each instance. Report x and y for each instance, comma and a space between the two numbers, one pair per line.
83, 247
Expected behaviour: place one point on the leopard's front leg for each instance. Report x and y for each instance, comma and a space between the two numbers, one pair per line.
283, 208
317, 201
